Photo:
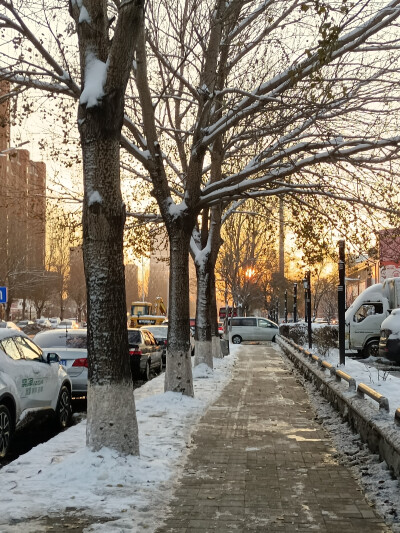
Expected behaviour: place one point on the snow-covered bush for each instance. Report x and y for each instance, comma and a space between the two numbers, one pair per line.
297, 332
325, 338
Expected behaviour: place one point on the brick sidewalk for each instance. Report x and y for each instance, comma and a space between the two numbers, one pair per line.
261, 463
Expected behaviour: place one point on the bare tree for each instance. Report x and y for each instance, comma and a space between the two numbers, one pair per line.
226, 101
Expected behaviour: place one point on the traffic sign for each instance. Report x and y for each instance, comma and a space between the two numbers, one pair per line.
3, 295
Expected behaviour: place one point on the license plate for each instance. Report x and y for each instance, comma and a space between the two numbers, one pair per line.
63, 362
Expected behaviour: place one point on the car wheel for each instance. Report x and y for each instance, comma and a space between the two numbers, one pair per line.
372, 349
146, 374
64, 408
6, 430
274, 339
236, 339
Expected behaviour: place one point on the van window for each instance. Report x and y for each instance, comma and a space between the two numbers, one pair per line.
367, 310
265, 323
244, 321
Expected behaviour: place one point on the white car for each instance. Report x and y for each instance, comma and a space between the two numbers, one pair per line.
71, 347
252, 328
10, 325
68, 323
30, 386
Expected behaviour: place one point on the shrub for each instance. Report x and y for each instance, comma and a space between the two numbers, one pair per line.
296, 332
325, 338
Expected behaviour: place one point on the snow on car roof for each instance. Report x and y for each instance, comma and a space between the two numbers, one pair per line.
10, 332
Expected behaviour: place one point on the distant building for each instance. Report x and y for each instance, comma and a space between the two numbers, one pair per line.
159, 269
389, 254
367, 270
131, 284
22, 203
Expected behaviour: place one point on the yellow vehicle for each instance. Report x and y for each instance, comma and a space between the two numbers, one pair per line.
146, 314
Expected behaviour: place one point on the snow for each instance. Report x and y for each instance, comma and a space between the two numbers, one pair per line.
176, 210
105, 484
127, 490
95, 79
95, 197
84, 15
392, 322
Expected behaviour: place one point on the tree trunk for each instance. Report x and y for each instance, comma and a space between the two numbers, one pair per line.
110, 380
178, 374
213, 313
203, 344
111, 416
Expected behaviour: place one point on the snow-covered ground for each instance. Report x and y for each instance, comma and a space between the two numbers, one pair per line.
62, 473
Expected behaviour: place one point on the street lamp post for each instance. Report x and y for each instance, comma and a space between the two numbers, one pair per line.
307, 294
342, 303
295, 302
286, 310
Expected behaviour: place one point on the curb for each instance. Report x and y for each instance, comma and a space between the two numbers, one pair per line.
379, 430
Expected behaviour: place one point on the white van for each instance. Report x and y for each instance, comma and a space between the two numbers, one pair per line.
252, 328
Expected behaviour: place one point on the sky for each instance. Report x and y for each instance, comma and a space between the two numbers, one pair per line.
64, 472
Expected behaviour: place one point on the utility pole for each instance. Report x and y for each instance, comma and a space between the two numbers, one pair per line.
307, 295
286, 309
342, 303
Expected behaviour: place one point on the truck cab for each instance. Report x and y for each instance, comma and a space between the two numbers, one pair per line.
363, 320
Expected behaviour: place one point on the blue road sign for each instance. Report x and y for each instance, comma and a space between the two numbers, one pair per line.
3, 295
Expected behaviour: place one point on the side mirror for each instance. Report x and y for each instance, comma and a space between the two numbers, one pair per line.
53, 358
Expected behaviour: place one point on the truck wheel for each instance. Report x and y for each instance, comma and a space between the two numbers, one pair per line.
372, 349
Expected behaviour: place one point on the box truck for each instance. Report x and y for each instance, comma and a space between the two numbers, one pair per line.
366, 314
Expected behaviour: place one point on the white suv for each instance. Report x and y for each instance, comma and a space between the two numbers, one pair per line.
29, 386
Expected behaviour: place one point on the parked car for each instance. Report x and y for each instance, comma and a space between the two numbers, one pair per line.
145, 353
389, 342
71, 346
68, 323
23, 323
252, 328
160, 333
9, 325
43, 322
320, 321
54, 322
31, 385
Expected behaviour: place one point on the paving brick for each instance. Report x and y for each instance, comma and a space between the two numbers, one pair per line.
266, 462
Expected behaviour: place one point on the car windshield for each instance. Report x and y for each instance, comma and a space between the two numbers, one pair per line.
158, 332
62, 340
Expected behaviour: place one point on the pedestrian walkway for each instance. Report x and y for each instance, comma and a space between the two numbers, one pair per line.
261, 463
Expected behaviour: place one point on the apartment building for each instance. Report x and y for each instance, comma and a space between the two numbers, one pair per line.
22, 205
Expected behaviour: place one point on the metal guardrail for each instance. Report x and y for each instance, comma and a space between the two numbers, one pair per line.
363, 390
340, 375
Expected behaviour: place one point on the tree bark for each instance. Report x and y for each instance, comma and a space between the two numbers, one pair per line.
203, 343
178, 374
